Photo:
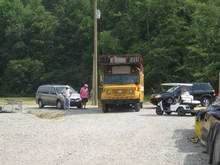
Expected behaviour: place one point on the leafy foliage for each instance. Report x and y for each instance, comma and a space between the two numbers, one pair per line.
48, 41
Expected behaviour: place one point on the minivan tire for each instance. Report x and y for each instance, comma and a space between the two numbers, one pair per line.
59, 104
205, 101
40, 104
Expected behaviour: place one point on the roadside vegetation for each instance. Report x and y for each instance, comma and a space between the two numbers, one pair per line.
51, 42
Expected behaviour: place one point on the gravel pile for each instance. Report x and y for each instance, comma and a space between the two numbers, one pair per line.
90, 137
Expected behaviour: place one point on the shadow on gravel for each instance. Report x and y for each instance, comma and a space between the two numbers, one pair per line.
6, 112
165, 115
194, 151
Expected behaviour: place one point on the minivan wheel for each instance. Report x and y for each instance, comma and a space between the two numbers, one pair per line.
59, 104
40, 104
205, 101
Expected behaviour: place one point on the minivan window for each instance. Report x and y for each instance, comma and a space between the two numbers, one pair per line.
43, 89
52, 91
60, 89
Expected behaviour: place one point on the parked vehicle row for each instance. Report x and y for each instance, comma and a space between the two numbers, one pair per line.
198, 93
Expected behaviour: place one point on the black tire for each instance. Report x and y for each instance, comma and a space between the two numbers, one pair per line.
159, 111
141, 105
59, 104
137, 107
168, 113
40, 104
79, 106
181, 111
104, 108
193, 114
205, 101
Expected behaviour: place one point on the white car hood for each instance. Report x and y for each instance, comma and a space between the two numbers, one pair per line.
75, 96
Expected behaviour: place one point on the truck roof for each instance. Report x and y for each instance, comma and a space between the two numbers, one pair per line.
124, 59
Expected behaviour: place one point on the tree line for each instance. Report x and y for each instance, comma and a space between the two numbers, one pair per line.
51, 41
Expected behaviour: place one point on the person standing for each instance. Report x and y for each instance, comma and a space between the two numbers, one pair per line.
67, 94
84, 94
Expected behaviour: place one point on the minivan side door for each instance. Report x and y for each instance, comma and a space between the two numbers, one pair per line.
43, 94
52, 98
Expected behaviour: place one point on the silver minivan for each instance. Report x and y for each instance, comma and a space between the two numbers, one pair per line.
51, 95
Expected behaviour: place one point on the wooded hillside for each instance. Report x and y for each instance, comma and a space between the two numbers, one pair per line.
51, 41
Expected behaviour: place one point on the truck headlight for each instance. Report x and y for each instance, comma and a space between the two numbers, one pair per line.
108, 92
131, 91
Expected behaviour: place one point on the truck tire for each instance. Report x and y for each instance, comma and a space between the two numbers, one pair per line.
137, 107
205, 101
104, 108
159, 111
181, 111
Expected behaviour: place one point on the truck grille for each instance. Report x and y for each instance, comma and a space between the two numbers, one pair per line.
119, 92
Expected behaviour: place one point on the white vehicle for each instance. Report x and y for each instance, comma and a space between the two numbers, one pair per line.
184, 104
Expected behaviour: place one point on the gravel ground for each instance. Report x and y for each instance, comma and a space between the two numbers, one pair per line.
89, 137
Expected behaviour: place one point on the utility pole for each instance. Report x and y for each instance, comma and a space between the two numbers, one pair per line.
94, 78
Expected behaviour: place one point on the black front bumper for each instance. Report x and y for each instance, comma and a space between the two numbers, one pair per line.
74, 103
121, 101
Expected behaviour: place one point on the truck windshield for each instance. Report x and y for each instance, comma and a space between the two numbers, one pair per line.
122, 79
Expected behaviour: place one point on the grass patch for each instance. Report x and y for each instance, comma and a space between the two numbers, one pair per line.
25, 100
46, 115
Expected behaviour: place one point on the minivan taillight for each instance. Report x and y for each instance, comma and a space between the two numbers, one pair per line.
213, 92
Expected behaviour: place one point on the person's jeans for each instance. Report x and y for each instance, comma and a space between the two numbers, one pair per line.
66, 103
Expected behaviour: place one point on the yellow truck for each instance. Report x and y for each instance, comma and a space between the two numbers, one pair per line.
121, 82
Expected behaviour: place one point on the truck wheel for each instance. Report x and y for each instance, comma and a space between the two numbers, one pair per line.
205, 101
181, 111
104, 108
59, 104
159, 111
137, 107
40, 104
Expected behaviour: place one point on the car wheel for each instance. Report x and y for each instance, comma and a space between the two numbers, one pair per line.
40, 104
79, 106
193, 114
59, 104
168, 113
159, 111
137, 107
205, 101
181, 111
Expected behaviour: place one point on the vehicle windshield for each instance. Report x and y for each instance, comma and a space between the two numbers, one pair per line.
171, 90
122, 79
60, 89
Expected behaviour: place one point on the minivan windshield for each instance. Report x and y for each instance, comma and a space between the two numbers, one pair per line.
60, 89
122, 79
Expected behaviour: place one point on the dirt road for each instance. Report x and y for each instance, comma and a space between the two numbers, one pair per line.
90, 137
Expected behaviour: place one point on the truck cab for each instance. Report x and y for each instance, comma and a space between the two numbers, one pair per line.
121, 82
